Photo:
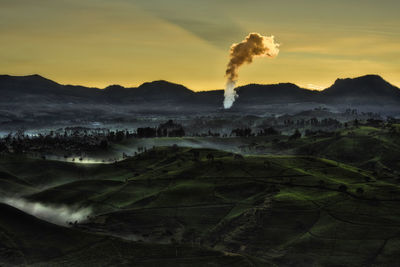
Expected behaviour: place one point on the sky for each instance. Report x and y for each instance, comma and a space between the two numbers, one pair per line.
128, 42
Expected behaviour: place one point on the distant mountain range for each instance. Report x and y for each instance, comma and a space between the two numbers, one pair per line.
369, 89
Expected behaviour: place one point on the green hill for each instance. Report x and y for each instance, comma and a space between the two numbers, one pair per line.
283, 210
373, 149
26, 240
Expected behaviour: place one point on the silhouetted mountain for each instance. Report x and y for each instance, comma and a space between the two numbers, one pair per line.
20, 88
32, 84
274, 93
163, 88
365, 89
162, 91
210, 98
149, 92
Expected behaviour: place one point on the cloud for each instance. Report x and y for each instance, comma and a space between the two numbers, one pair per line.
207, 20
215, 33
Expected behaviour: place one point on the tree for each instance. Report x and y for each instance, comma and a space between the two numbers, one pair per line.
296, 135
238, 157
119, 136
360, 191
147, 132
342, 188
104, 144
196, 155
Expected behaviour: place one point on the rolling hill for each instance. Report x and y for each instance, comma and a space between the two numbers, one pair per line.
28, 241
260, 210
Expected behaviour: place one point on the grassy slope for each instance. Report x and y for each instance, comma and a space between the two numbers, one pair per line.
366, 147
286, 209
25, 240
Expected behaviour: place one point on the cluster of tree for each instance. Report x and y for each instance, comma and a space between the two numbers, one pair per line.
246, 132
76, 140
327, 122
210, 134
51, 142
119, 136
324, 122
394, 130
242, 132
267, 132
168, 129
318, 133
374, 123
295, 135
351, 111
393, 120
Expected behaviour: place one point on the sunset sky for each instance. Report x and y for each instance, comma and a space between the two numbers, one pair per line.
128, 42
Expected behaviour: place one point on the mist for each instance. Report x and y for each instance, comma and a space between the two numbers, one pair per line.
60, 215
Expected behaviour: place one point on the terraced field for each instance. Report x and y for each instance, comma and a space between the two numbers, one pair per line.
186, 206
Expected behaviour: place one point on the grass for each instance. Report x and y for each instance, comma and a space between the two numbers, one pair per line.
26, 240
286, 210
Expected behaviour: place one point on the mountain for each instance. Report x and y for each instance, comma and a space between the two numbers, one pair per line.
24, 88
365, 89
29, 84
369, 89
274, 93
150, 91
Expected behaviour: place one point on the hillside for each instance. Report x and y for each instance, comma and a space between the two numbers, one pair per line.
26, 240
286, 210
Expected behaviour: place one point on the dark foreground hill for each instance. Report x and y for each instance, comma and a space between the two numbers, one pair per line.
28, 241
189, 206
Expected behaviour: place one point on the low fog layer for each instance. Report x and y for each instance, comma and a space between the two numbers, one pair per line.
60, 215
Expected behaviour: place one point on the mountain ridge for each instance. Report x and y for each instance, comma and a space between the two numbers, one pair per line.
363, 89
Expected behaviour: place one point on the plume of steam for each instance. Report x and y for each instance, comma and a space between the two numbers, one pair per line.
254, 45
60, 215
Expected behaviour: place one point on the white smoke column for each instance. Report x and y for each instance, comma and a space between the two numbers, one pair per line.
60, 215
229, 94
254, 45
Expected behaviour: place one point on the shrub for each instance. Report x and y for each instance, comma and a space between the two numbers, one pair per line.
342, 188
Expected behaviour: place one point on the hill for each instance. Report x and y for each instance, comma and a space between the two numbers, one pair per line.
26, 240
283, 210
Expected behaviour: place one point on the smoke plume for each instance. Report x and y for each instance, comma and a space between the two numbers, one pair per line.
255, 45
